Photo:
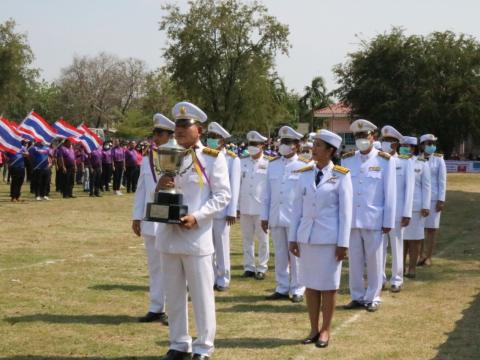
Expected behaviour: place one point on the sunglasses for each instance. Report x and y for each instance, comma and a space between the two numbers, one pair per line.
288, 141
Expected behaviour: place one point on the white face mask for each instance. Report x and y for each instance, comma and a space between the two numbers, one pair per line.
307, 156
285, 150
387, 146
362, 144
253, 150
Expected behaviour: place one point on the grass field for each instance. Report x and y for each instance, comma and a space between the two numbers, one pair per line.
73, 281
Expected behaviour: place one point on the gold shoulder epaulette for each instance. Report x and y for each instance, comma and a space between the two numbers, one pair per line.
421, 159
409, 156
384, 155
306, 168
437, 154
302, 159
348, 154
341, 169
270, 158
231, 154
211, 152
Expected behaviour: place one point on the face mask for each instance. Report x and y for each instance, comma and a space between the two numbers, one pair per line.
307, 156
430, 149
285, 150
253, 150
387, 146
212, 143
404, 150
362, 144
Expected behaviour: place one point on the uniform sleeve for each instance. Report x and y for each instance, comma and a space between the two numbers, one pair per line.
442, 179
234, 187
389, 189
426, 186
297, 210
140, 193
266, 197
409, 189
345, 209
220, 191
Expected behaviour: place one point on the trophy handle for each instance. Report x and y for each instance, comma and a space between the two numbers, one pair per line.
186, 169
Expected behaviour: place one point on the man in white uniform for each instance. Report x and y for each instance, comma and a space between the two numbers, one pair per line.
277, 213
147, 181
253, 184
187, 248
222, 221
405, 180
374, 188
438, 176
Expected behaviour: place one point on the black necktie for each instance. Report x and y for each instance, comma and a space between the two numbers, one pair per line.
318, 178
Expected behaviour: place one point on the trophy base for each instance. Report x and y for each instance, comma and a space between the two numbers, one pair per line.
169, 214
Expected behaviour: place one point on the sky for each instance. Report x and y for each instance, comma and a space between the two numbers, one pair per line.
322, 32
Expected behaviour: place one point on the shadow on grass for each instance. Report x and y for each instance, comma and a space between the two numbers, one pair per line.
58, 357
239, 299
72, 319
246, 343
124, 287
266, 308
463, 342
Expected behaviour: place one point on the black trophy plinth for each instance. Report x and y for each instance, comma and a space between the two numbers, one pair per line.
166, 208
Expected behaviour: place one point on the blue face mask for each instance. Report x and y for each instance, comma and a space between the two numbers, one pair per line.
404, 150
430, 149
212, 143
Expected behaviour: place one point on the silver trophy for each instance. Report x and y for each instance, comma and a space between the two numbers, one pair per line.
167, 206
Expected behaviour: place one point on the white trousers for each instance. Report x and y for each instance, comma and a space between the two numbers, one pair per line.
395, 237
198, 273
157, 289
286, 264
250, 226
366, 247
221, 260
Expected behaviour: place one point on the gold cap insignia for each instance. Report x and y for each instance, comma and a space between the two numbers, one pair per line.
360, 125
183, 110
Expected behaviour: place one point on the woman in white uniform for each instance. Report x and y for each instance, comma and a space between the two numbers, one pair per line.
414, 233
320, 231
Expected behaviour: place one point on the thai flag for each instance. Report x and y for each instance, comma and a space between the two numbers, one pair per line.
64, 129
25, 135
90, 140
35, 125
10, 139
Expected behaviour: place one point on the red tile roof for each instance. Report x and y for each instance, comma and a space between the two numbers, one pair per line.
333, 110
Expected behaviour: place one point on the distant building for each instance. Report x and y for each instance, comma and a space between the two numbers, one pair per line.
337, 118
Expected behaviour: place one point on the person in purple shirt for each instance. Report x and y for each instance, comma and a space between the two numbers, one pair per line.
67, 168
118, 165
106, 167
95, 169
16, 169
131, 167
39, 155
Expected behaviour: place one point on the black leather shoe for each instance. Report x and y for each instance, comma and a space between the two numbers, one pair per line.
200, 357
276, 296
395, 289
248, 274
297, 298
372, 307
260, 276
354, 304
311, 340
220, 288
151, 317
321, 344
176, 355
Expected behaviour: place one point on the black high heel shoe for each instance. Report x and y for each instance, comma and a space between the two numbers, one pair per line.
321, 344
311, 340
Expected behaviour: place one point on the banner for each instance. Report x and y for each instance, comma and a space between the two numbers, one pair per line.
459, 166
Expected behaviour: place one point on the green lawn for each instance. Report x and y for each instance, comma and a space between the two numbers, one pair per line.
73, 280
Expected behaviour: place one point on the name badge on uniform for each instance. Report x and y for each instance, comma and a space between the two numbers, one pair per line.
263, 167
418, 170
374, 168
333, 180
399, 167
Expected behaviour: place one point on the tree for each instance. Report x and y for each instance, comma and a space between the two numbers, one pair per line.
315, 97
221, 54
17, 78
418, 84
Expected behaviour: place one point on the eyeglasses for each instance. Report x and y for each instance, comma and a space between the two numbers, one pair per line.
184, 123
361, 135
288, 141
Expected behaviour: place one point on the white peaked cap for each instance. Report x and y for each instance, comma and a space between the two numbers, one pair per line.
162, 122
216, 128
428, 137
409, 140
329, 137
390, 131
255, 136
362, 125
286, 132
186, 110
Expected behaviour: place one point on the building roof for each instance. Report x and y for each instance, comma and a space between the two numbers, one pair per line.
339, 110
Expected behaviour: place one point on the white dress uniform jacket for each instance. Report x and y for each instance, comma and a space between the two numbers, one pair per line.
374, 189
405, 186
253, 184
322, 214
422, 189
438, 175
233, 164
